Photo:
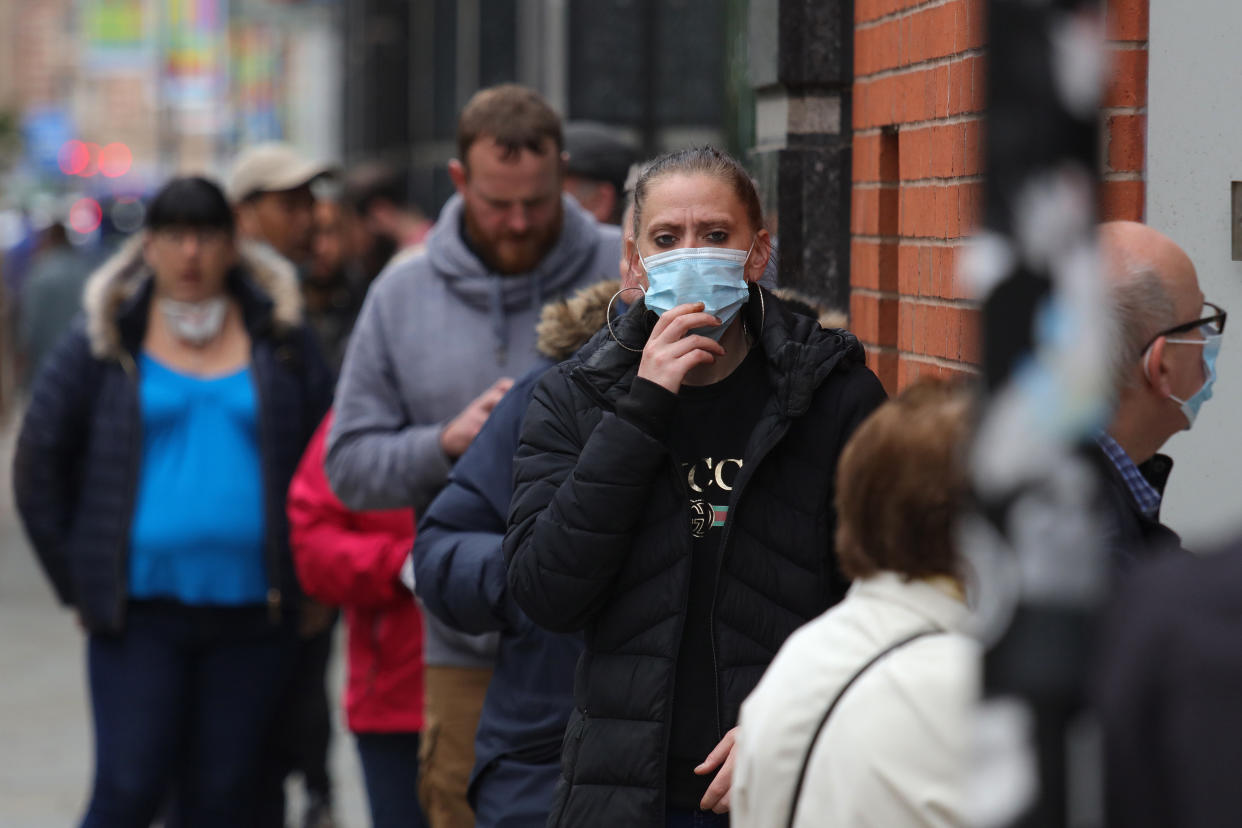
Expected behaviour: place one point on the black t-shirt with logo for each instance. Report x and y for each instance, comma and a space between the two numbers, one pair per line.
709, 434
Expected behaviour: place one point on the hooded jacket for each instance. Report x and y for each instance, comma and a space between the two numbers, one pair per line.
436, 330
460, 575
79, 451
353, 560
599, 541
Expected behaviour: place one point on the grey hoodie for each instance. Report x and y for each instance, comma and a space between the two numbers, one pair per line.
435, 331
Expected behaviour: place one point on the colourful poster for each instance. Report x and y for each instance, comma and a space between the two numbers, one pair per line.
194, 33
115, 34
258, 58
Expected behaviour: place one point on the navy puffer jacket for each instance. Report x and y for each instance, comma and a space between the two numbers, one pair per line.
599, 540
461, 578
79, 451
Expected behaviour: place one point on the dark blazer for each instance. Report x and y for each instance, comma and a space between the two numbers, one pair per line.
1132, 535
599, 541
1168, 691
79, 452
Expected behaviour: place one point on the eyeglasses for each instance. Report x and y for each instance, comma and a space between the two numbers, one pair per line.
1212, 323
178, 236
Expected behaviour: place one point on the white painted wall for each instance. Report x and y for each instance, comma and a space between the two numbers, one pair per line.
314, 75
1194, 150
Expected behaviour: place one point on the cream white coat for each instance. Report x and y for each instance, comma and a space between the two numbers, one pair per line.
894, 751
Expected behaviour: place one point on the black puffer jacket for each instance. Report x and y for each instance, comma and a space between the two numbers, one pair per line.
599, 540
75, 474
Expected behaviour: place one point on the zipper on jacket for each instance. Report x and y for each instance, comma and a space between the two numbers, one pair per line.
274, 597
135, 461
374, 669
684, 491
579, 732
743, 479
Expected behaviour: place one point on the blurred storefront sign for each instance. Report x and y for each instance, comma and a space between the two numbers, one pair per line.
45, 130
116, 35
258, 61
194, 72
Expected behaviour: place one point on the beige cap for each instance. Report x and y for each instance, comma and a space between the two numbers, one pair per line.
271, 167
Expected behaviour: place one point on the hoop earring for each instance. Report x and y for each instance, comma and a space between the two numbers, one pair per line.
608, 319
763, 316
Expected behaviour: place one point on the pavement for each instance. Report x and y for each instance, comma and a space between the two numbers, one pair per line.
45, 729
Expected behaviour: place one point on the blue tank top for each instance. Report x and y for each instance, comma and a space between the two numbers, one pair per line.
198, 528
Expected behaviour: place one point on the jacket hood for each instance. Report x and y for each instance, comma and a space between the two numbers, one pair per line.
475, 284
800, 353
566, 325
798, 302
264, 282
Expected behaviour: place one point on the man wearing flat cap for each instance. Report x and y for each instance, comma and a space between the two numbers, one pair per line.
599, 160
270, 188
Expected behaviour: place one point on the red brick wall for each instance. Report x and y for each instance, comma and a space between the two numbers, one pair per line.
1125, 112
919, 97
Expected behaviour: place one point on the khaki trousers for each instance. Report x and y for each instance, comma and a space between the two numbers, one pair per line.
453, 700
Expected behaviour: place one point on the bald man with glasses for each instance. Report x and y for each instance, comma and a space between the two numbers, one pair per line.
1168, 673
1164, 364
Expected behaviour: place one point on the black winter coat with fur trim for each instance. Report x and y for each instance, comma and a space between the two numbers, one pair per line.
79, 452
599, 540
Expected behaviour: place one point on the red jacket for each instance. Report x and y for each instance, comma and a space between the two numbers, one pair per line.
353, 559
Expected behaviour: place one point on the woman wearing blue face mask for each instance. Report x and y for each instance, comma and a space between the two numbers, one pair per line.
673, 499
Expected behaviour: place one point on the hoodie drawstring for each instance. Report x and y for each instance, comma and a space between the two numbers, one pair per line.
500, 320
500, 328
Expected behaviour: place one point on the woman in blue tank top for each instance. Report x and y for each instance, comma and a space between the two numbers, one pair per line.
151, 474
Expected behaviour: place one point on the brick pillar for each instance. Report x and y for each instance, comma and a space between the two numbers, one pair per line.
1124, 113
801, 67
918, 138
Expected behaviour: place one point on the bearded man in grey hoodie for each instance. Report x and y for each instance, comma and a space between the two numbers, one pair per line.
438, 339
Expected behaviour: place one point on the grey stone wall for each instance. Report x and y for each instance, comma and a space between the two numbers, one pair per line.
801, 70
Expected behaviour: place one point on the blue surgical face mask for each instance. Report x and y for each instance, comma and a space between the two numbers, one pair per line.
1211, 347
715, 276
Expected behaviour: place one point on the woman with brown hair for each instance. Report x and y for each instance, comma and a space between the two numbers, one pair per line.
864, 716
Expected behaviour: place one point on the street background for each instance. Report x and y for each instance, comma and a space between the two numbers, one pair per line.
862, 120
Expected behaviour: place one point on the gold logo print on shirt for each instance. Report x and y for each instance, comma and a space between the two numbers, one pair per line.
715, 476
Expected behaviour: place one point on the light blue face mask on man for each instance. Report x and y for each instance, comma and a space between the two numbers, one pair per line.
715, 276
1211, 347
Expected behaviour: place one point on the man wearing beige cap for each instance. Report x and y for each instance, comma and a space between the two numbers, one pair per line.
270, 187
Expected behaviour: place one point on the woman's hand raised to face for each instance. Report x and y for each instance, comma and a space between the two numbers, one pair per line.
672, 351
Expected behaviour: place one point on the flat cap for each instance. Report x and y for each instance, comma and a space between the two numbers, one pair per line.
599, 152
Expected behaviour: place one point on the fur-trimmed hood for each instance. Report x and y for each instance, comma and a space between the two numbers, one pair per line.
800, 303
566, 325
118, 282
